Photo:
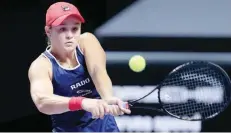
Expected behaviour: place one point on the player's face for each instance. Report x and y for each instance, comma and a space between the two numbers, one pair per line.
65, 36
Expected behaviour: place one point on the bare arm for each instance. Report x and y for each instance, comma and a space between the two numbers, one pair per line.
95, 58
42, 90
96, 65
48, 103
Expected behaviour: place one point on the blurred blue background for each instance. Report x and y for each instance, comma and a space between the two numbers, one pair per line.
165, 32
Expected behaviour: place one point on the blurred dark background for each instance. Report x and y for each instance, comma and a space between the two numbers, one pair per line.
165, 33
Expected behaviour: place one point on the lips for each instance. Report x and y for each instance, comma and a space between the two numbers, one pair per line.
68, 42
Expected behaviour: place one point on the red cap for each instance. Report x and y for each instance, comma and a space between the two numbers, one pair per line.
59, 11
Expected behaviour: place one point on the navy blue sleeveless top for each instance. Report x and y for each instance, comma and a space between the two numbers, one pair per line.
70, 82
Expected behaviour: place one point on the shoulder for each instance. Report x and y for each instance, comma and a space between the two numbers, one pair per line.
87, 36
88, 40
39, 66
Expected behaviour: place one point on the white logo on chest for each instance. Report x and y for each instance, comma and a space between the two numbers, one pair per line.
79, 84
83, 92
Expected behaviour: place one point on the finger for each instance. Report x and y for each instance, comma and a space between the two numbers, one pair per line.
124, 108
106, 108
97, 113
93, 114
121, 107
116, 110
111, 110
101, 111
119, 111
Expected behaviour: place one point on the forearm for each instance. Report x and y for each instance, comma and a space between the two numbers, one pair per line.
52, 104
103, 84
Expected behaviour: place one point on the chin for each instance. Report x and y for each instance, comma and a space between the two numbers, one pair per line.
69, 48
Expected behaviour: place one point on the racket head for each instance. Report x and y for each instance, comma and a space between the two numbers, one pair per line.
206, 75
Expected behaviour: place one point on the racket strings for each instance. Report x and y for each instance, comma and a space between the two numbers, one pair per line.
197, 92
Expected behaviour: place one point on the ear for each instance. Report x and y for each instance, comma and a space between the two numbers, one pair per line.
47, 30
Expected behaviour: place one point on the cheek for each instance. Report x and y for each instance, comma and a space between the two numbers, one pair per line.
78, 32
77, 35
62, 37
58, 39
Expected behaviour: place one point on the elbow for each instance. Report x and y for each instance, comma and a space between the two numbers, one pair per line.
42, 106
99, 71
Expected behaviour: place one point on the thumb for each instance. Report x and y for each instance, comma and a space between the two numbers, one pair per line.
112, 101
124, 107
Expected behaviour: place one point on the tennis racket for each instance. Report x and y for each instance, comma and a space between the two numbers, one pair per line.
194, 91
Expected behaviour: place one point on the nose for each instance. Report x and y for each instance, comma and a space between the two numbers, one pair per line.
69, 34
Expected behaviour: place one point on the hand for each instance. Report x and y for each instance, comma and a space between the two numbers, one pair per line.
116, 106
97, 107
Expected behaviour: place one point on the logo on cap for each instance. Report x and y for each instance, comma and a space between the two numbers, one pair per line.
65, 8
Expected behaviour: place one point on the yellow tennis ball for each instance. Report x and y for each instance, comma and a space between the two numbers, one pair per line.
137, 63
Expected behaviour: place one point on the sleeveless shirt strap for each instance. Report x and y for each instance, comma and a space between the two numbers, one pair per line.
79, 49
53, 60
48, 55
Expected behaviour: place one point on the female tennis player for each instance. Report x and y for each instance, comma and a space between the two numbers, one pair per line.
69, 80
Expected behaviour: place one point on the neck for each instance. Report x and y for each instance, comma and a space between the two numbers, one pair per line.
61, 55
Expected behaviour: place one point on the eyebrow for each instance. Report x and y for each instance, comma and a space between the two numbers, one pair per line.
77, 23
73, 24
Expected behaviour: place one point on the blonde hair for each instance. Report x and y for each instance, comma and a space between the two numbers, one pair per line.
48, 41
47, 38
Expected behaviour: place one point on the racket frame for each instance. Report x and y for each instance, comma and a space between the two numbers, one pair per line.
158, 87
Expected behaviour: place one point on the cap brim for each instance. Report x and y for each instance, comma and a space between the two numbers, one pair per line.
59, 20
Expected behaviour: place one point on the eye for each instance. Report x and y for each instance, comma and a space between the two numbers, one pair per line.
62, 29
75, 29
